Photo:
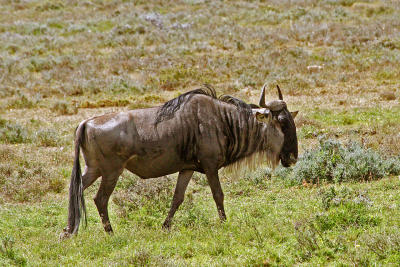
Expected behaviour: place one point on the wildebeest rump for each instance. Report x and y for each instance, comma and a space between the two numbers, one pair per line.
194, 132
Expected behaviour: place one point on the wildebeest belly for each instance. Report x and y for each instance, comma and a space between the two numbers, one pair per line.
152, 167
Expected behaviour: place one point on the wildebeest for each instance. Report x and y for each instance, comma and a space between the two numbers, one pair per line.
196, 131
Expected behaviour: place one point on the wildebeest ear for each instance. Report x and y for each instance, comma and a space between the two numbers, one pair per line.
266, 117
260, 116
294, 113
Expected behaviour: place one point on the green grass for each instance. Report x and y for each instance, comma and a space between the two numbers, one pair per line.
357, 116
276, 224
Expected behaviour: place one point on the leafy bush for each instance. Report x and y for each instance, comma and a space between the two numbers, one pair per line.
334, 162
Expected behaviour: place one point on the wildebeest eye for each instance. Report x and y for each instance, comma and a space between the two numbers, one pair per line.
283, 122
282, 119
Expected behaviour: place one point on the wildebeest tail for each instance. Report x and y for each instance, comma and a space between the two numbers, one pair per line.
76, 199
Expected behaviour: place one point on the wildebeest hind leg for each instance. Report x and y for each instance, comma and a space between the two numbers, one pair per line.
218, 195
179, 195
107, 185
89, 176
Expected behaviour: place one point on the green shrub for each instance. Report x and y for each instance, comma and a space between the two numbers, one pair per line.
335, 163
13, 133
392, 166
47, 137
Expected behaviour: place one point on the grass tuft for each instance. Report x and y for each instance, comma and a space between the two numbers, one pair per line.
22, 101
8, 251
344, 208
64, 108
13, 133
48, 137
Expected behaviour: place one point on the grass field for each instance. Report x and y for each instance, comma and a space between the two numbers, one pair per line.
337, 61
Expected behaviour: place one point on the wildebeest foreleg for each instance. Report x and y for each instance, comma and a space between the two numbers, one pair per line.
179, 195
107, 186
218, 195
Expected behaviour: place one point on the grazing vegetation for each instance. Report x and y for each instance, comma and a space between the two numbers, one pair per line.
335, 60
332, 162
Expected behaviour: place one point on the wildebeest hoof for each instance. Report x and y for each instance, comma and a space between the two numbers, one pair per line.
108, 228
166, 226
65, 234
222, 216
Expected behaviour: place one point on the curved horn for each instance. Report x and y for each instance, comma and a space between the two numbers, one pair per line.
262, 97
279, 92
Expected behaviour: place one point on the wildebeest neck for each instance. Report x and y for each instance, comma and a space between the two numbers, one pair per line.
226, 130
254, 143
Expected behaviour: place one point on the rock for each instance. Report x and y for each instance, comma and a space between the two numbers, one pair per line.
315, 68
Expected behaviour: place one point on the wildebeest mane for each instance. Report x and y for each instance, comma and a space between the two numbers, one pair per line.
240, 104
169, 108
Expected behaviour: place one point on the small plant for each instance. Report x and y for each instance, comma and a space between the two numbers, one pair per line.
13, 133
333, 197
137, 193
64, 108
48, 137
344, 209
56, 184
259, 176
7, 250
22, 101
141, 257
308, 237
383, 244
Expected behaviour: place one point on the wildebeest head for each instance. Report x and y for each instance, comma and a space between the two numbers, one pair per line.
277, 109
